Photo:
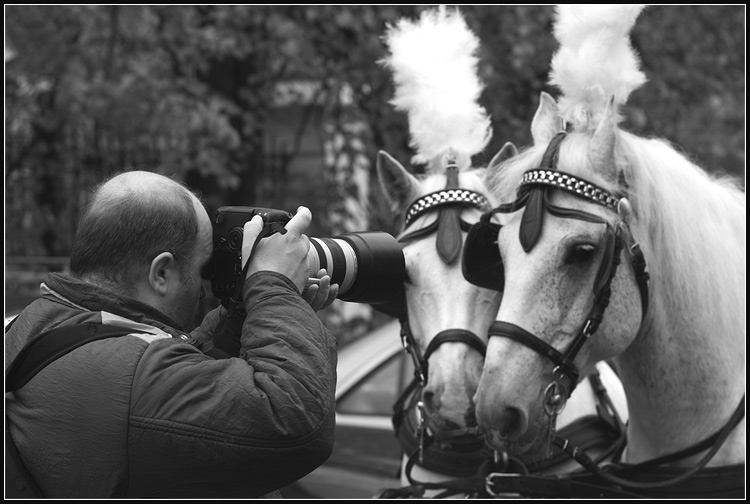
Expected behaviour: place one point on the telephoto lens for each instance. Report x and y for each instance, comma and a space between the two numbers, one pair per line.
368, 266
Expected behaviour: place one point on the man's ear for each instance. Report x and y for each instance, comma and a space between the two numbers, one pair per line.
162, 272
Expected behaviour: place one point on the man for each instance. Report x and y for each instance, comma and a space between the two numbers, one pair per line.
149, 414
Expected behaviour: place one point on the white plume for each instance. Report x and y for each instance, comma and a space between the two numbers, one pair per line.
595, 61
435, 74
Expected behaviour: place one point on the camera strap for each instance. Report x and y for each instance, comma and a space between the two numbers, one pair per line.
236, 300
35, 355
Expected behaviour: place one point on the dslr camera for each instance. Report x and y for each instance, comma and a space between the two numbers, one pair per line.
368, 266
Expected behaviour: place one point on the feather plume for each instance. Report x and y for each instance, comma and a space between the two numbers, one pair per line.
435, 74
595, 61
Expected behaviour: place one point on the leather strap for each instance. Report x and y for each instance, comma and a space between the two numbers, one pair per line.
456, 336
449, 239
50, 345
715, 441
35, 355
514, 332
532, 220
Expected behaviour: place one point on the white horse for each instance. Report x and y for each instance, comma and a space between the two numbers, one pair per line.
444, 318
587, 210
440, 303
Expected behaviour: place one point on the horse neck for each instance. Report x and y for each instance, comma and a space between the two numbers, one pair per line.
684, 374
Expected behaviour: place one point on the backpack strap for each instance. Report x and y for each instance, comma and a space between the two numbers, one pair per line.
50, 345
37, 353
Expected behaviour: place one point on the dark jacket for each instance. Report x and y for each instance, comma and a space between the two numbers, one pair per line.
149, 415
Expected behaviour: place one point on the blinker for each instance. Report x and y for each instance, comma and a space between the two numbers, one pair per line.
481, 263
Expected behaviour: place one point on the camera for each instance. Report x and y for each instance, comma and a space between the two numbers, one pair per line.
369, 266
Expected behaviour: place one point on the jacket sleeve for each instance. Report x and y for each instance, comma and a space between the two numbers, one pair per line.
237, 427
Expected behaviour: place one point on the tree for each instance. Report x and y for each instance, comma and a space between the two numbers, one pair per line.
243, 102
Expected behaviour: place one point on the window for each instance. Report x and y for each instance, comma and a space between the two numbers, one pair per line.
378, 391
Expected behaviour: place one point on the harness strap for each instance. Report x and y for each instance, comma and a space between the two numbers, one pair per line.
602, 293
718, 440
532, 220
717, 437
455, 336
428, 230
514, 332
469, 457
641, 275
412, 348
449, 240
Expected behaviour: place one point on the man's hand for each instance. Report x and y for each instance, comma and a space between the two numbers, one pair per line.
283, 253
319, 291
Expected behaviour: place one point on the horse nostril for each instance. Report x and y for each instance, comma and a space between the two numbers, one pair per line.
511, 422
431, 401
508, 421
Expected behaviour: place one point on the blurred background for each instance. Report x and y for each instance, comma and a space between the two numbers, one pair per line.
281, 106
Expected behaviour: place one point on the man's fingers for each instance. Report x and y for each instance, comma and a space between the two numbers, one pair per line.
310, 293
300, 222
251, 230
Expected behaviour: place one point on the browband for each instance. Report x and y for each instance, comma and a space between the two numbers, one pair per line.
570, 183
443, 197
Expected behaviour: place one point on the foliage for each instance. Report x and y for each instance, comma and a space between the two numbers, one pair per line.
193, 91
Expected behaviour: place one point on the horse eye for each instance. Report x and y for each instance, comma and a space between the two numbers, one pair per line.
581, 254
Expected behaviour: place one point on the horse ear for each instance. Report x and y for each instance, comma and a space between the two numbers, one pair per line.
547, 121
601, 153
506, 152
400, 186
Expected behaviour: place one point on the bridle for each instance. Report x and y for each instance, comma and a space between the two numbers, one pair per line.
533, 194
463, 452
449, 203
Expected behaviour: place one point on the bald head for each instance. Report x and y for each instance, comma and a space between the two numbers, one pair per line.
128, 221
138, 187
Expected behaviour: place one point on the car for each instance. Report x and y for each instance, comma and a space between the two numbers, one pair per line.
372, 372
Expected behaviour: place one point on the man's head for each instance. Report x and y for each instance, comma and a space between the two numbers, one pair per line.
149, 236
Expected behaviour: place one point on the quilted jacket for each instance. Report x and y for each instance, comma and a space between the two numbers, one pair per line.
150, 415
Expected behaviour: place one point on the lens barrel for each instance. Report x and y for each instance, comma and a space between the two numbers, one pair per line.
368, 266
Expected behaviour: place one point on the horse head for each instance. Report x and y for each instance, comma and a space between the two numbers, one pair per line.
445, 316
445, 319
564, 245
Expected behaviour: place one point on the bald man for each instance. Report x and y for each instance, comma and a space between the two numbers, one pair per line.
149, 414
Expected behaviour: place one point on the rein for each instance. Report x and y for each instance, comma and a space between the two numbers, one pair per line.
612, 480
477, 468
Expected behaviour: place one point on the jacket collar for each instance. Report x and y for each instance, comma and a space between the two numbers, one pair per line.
87, 296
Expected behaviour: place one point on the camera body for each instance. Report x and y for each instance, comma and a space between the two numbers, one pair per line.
228, 231
368, 266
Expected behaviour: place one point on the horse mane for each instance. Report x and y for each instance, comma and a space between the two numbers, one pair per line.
692, 228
